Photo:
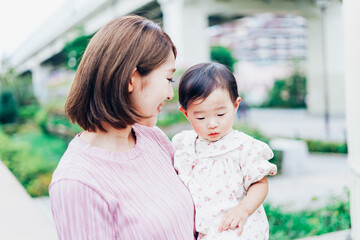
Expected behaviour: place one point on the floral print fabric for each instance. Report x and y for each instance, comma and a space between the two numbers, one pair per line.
218, 175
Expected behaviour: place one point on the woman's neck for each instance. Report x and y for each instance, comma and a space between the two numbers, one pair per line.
115, 140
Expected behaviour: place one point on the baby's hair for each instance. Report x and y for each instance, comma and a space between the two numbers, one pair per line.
199, 81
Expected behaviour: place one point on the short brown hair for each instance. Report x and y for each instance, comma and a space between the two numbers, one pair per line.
100, 89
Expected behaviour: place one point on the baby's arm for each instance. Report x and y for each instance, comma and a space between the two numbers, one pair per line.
236, 217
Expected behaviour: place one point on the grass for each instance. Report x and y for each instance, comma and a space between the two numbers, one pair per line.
47, 146
292, 225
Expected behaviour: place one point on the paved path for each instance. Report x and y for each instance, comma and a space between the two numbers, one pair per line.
296, 124
324, 176
20, 218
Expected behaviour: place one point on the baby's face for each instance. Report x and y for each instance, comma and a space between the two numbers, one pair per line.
213, 117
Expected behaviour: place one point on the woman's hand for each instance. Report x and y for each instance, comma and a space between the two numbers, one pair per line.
235, 217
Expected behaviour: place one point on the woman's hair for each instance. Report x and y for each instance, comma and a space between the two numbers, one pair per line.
100, 89
199, 81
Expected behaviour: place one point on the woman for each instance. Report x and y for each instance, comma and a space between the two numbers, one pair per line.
116, 179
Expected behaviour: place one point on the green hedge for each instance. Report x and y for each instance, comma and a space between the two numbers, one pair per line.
292, 225
288, 93
170, 118
32, 170
326, 147
223, 55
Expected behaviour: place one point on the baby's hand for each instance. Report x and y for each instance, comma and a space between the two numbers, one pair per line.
235, 217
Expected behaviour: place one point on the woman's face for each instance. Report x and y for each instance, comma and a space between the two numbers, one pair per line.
148, 93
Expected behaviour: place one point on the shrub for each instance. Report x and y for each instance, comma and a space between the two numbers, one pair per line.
292, 225
60, 125
326, 147
8, 107
41, 118
288, 93
223, 55
169, 118
33, 171
74, 50
28, 112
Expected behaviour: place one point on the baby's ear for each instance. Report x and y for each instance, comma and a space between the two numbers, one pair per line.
183, 111
237, 102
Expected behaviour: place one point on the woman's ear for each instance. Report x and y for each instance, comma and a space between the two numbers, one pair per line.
134, 79
183, 111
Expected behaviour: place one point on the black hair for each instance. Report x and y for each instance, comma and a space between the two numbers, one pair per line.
200, 80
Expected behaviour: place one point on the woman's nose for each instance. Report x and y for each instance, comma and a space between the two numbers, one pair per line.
171, 92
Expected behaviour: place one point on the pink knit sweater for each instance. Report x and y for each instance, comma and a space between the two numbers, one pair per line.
98, 194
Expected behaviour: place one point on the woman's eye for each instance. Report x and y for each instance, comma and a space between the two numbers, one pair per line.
170, 80
221, 114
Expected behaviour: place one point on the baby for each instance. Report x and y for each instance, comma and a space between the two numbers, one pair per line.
224, 169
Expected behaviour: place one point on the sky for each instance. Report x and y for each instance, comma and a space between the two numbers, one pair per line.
19, 18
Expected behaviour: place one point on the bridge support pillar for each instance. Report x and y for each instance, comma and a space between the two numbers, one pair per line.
352, 89
186, 23
330, 36
39, 75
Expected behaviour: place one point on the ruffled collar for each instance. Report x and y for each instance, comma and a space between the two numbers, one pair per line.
202, 148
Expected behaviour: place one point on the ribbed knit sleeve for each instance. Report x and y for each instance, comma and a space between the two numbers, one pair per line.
79, 212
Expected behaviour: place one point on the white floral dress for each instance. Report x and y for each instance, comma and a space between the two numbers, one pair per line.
218, 175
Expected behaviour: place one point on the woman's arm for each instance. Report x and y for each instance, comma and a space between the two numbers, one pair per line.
79, 212
236, 217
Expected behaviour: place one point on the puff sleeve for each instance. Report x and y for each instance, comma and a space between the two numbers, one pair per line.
254, 161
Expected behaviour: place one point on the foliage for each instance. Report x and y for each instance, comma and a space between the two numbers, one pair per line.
60, 125
41, 118
292, 225
15, 93
223, 55
277, 160
20, 86
326, 147
28, 112
170, 118
8, 107
32, 168
74, 50
288, 93
54, 149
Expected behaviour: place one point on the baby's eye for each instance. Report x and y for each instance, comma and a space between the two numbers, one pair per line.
170, 80
221, 114
200, 118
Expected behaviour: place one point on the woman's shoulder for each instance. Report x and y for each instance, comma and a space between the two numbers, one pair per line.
75, 164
